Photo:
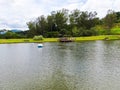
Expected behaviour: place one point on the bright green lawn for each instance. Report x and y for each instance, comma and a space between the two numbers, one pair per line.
27, 40
115, 31
102, 37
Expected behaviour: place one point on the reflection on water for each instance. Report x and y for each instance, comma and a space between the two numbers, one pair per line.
93, 65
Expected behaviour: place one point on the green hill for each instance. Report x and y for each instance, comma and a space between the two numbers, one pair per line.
101, 30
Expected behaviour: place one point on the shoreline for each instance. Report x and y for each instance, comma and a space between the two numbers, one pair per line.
76, 39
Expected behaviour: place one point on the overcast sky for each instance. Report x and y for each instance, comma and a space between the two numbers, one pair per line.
15, 13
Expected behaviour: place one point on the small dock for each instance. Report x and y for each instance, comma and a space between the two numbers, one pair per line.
66, 39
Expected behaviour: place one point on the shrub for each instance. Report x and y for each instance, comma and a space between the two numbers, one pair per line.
40, 37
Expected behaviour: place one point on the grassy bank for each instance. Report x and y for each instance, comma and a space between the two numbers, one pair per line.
3, 41
102, 37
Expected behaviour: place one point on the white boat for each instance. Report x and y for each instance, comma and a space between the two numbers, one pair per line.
40, 45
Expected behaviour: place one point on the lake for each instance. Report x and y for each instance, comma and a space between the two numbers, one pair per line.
90, 65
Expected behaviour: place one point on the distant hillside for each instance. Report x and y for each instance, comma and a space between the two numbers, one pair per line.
15, 30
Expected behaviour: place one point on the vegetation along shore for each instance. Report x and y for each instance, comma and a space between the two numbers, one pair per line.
81, 25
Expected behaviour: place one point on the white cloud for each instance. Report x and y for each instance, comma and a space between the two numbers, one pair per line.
15, 13
101, 6
18, 12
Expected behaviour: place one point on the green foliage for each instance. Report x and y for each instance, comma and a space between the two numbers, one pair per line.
74, 23
109, 20
115, 31
99, 29
64, 23
11, 35
87, 32
52, 34
118, 17
63, 32
40, 37
75, 32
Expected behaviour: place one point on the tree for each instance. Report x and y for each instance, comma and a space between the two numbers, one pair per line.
60, 23
109, 20
37, 27
75, 32
32, 29
10, 34
118, 17
74, 16
57, 22
87, 20
61, 18
41, 25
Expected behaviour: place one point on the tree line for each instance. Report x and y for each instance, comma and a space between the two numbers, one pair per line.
70, 23
75, 23
62, 22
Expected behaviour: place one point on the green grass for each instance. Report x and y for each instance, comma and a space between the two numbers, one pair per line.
115, 31
51, 39
101, 37
2, 41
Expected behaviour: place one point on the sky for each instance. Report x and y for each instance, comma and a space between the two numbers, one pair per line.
14, 14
